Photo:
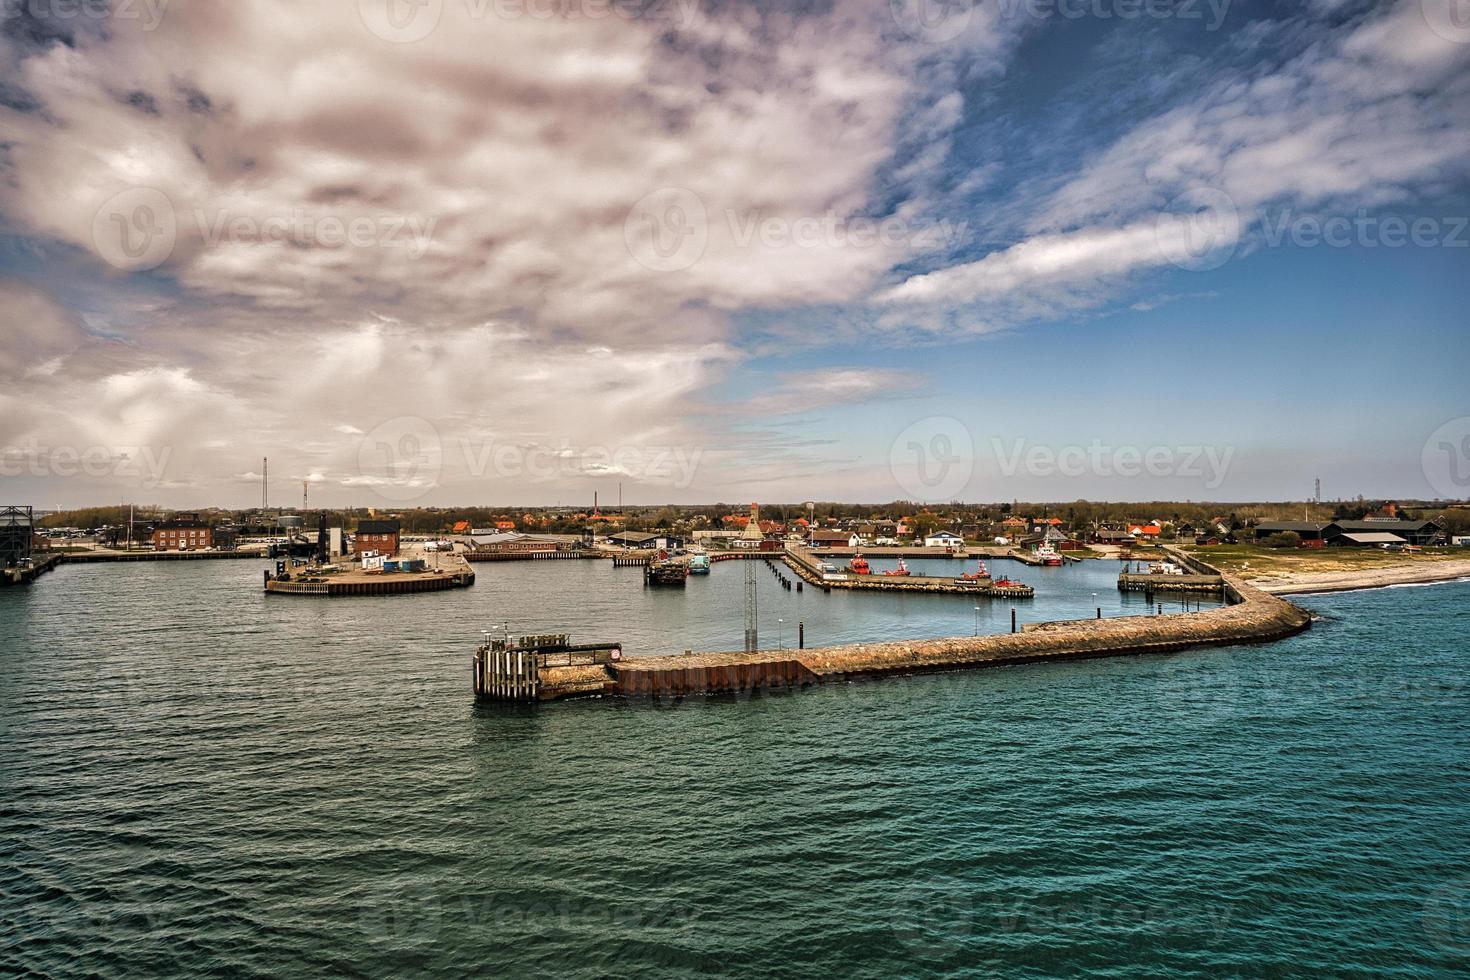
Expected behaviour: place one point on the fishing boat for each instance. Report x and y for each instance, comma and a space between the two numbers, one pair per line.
902, 569
859, 566
699, 564
1048, 555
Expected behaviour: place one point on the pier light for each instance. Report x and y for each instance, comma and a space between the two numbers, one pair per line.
977, 620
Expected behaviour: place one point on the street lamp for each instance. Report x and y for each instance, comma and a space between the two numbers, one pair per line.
1099, 608
780, 635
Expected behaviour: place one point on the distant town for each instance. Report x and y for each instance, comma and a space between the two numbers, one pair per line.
1078, 526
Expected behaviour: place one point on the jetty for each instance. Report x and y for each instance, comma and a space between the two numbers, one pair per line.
1249, 616
1183, 574
808, 566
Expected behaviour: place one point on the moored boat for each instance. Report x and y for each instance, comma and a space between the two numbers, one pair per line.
980, 573
1048, 555
699, 564
859, 566
902, 569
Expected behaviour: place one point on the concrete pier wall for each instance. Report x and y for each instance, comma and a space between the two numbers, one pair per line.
1252, 616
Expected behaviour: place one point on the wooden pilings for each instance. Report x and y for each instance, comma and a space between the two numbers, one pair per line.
1150, 583
528, 555
506, 673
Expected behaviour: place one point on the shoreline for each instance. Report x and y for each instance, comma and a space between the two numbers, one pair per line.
1313, 583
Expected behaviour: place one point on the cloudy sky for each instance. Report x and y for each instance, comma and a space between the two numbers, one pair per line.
515, 251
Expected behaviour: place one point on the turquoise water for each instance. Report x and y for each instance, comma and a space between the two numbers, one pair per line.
196, 780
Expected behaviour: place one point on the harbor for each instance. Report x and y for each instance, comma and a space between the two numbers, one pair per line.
1249, 616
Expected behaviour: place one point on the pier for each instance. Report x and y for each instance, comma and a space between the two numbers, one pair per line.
1154, 582
28, 572
808, 567
512, 670
1250, 616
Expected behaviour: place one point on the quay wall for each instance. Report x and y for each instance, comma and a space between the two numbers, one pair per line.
87, 557
27, 575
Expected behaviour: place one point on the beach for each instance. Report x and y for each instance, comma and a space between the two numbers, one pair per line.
1411, 573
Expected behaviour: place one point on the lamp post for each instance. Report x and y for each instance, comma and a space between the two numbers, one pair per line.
1099, 608
780, 635
977, 620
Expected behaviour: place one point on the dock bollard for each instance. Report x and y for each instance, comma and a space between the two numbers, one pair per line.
1013, 619
1099, 612
801, 636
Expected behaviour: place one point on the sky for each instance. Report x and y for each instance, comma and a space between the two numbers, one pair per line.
498, 252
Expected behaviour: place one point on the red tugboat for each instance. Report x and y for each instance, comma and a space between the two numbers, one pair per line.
980, 573
902, 569
859, 566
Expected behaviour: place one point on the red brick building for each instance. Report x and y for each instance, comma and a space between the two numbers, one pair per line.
379, 536
183, 532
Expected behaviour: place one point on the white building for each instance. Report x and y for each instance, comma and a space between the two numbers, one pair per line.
943, 539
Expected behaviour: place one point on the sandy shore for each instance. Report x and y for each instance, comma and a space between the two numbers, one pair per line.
1302, 583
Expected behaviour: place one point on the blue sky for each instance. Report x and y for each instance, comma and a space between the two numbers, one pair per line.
468, 254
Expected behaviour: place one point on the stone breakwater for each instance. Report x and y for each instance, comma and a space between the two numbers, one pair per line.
1252, 616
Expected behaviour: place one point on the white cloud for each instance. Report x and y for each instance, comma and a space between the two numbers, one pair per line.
1359, 118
